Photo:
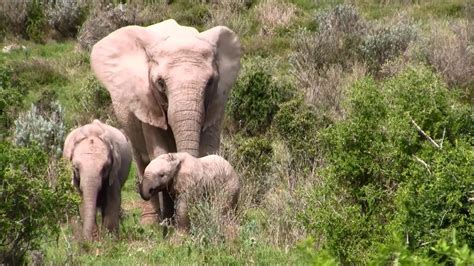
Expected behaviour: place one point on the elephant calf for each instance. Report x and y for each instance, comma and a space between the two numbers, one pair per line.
101, 156
182, 174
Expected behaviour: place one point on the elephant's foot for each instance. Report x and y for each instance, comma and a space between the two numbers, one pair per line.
150, 214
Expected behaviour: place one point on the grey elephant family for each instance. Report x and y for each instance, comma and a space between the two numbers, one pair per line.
169, 85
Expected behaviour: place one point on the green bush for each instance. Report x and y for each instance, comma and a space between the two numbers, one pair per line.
36, 22
254, 100
297, 124
11, 98
93, 101
255, 156
434, 199
400, 162
34, 198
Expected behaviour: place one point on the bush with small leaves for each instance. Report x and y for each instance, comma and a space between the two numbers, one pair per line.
254, 99
11, 97
387, 165
45, 130
33, 202
386, 43
93, 102
254, 156
297, 124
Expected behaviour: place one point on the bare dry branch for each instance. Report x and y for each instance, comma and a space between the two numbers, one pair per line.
424, 134
423, 163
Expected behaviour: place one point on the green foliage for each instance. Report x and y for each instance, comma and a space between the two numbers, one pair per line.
297, 124
195, 15
93, 101
255, 155
443, 185
386, 43
374, 166
11, 98
254, 100
36, 21
32, 200
47, 130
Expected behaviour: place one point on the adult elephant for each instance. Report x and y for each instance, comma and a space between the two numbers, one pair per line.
169, 85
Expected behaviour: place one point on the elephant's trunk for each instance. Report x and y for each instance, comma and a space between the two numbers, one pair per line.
89, 208
186, 115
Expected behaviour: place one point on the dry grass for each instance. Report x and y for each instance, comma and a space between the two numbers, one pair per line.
14, 14
274, 14
320, 72
450, 51
229, 13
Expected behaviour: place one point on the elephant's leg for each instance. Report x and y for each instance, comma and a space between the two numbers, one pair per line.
111, 209
158, 142
182, 218
210, 141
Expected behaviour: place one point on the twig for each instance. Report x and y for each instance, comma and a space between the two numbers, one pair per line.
442, 139
423, 163
424, 134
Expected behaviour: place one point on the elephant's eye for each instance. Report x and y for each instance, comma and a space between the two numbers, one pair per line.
76, 176
209, 82
161, 84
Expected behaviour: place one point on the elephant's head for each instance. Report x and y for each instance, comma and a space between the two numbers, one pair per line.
96, 163
170, 75
159, 174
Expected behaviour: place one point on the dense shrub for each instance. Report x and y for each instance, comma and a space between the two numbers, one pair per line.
254, 99
66, 16
32, 201
254, 156
47, 130
386, 42
104, 20
442, 181
93, 102
36, 22
297, 124
376, 168
11, 98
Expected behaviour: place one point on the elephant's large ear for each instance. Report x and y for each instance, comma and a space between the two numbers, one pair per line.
116, 164
121, 63
70, 142
228, 65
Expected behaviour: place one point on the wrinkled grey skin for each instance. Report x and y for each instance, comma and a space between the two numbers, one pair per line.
101, 157
169, 85
182, 174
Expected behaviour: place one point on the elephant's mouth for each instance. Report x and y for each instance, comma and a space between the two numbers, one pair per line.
146, 195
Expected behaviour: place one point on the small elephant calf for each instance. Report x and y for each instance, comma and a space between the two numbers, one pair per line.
101, 156
182, 174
